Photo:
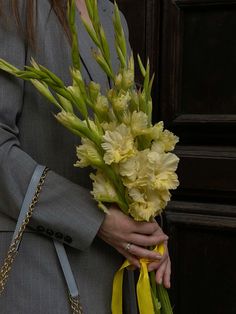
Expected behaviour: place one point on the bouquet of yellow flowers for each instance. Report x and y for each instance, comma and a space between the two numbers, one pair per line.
132, 157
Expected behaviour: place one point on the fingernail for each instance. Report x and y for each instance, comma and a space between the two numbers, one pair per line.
158, 256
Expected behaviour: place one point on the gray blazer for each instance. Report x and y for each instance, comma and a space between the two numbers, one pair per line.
29, 134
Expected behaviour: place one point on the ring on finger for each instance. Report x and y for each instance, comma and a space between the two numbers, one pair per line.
128, 246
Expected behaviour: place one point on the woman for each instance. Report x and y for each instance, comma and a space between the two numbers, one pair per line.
29, 134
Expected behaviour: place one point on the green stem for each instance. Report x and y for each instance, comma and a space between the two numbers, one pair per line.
119, 188
153, 281
163, 296
155, 301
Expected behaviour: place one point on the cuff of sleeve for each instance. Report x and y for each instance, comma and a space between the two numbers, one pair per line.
67, 212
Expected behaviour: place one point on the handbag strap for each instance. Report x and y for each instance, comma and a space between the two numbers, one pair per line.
27, 208
66, 268
73, 291
28, 199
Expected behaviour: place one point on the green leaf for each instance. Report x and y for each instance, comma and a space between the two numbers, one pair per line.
141, 66
147, 78
122, 59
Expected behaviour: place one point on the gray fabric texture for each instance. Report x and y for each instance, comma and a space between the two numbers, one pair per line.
29, 135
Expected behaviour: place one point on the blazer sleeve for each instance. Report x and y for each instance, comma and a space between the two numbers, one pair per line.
65, 210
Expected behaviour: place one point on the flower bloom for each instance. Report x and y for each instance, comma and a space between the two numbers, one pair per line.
88, 155
146, 204
121, 102
118, 144
103, 189
169, 140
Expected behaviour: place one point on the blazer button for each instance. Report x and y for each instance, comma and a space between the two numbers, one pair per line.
68, 239
40, 228
59, 235
50, 232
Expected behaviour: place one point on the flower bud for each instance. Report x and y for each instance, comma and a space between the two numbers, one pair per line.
128, 79
120, 103
77, 76
94, 90
65, 103
118, 80
102, 105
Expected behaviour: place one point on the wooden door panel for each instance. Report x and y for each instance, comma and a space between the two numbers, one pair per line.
203, 251
208, 60
207, 172
197, 95
198, 65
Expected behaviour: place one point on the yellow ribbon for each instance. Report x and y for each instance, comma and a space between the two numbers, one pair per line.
144, 295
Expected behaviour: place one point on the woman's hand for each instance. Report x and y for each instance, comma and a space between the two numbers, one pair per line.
131, 239
163, 268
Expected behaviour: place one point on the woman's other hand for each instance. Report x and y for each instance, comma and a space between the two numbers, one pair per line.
162, 268
132, 239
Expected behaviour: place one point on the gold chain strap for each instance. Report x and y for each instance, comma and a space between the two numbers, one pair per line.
12, 251
75, 305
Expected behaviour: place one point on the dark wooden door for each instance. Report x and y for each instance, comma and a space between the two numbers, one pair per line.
192, 48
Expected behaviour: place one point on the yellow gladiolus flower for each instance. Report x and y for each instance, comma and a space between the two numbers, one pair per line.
125, 79
103, 189
94, 127
118, 80
94, 90
139, 123
118, 144
137, 170
166, 180
164, 176
121, 102
147, 204
165, 197
169, 162
158, 147
109, 126
169, 140
128, 79
102, 105
156, 130
152, 169
88, 155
